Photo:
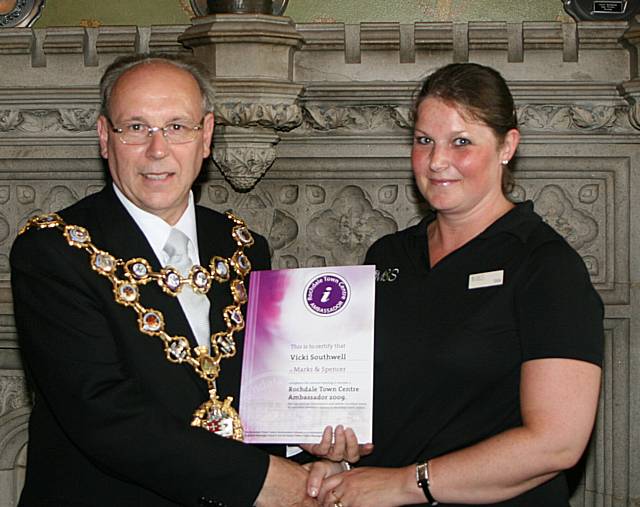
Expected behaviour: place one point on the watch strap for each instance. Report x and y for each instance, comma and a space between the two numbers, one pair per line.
422, 478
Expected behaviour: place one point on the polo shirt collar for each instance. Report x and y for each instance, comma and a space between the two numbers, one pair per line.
519, 221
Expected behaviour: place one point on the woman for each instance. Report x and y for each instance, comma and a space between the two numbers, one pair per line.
489, 338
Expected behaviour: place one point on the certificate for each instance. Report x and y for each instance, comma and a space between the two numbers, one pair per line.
308, 354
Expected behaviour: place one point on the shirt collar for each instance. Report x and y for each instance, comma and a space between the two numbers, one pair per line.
156, 230
519, 221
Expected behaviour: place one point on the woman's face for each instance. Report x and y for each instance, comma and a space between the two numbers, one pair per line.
456, 160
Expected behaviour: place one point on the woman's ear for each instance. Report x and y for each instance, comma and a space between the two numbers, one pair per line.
510, 144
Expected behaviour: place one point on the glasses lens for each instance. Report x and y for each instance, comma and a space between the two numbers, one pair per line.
135, 133
180, 132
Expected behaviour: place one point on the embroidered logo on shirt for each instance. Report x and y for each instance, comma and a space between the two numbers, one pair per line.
488, 279
387, 275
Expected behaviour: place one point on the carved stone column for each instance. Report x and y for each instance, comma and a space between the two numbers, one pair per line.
251, 59
631, 88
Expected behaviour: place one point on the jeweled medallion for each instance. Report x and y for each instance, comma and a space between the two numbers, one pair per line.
170, 281
138, 269
47, 220
126, 293
239, 292
241, 263
151, 322
242, 235
225, 344
210, 368
77, 236
200, 281
233, 318
219, 417
178, 349
103, 263
220, 269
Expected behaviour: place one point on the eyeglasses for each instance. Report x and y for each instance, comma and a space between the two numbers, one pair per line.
176, 132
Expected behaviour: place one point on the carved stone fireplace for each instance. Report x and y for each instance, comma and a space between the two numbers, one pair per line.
312, 149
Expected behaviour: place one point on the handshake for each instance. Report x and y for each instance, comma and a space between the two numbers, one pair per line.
313, 484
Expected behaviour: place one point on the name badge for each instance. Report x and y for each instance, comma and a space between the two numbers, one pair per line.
488, 279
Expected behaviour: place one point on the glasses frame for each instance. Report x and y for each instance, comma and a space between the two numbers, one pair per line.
151, 130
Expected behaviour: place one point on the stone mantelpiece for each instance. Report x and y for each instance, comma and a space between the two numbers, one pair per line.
335, 120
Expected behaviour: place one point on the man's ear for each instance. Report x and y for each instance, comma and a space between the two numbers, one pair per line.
207, 134
103, 135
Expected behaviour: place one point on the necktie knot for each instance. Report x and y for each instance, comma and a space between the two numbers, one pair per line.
177, 250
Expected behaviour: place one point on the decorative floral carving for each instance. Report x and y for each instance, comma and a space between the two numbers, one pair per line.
4, 263
5, 193
588, 194
13, 394
316, 261
388, 194
403, 116
349, 226
78, 120
569, 117
577, 227
284, 230
276, 116
243, 167
4, 229
288, 262
37, 121
517, 194
218, 194
592, 265
289, 194
411, 191
92, 189
26, 194
634, 112
355, 118
315, 194
10, 120
59, 197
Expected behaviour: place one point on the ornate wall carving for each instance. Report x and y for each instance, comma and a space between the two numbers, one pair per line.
316, 159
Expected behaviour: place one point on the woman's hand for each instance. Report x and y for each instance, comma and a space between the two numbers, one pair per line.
367, 486
341, 445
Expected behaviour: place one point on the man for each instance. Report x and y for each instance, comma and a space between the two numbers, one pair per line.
111, 423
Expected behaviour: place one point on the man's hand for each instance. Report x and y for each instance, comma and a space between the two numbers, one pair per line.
285, 485
341, 445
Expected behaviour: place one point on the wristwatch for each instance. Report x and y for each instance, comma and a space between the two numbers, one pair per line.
422, 478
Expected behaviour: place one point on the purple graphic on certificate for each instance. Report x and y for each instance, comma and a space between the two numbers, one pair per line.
327, 294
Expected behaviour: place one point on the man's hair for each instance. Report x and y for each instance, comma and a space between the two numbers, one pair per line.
125, 63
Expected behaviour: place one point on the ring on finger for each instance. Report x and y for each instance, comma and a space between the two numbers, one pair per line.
337, 503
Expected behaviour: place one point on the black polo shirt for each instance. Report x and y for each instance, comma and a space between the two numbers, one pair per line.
450, 341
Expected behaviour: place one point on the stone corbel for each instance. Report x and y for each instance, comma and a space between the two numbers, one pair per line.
631, 89
251, 59
631, 92
249, 116
244, 155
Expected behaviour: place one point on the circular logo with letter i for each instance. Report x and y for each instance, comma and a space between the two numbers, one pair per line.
327, 294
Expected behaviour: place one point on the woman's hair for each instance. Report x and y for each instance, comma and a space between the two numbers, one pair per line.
121, 65
478, 92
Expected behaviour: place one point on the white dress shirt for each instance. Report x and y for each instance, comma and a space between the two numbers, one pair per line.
157, 231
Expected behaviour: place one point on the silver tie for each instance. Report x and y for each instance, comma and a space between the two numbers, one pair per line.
195, 306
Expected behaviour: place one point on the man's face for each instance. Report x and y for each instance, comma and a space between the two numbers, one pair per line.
155, 176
